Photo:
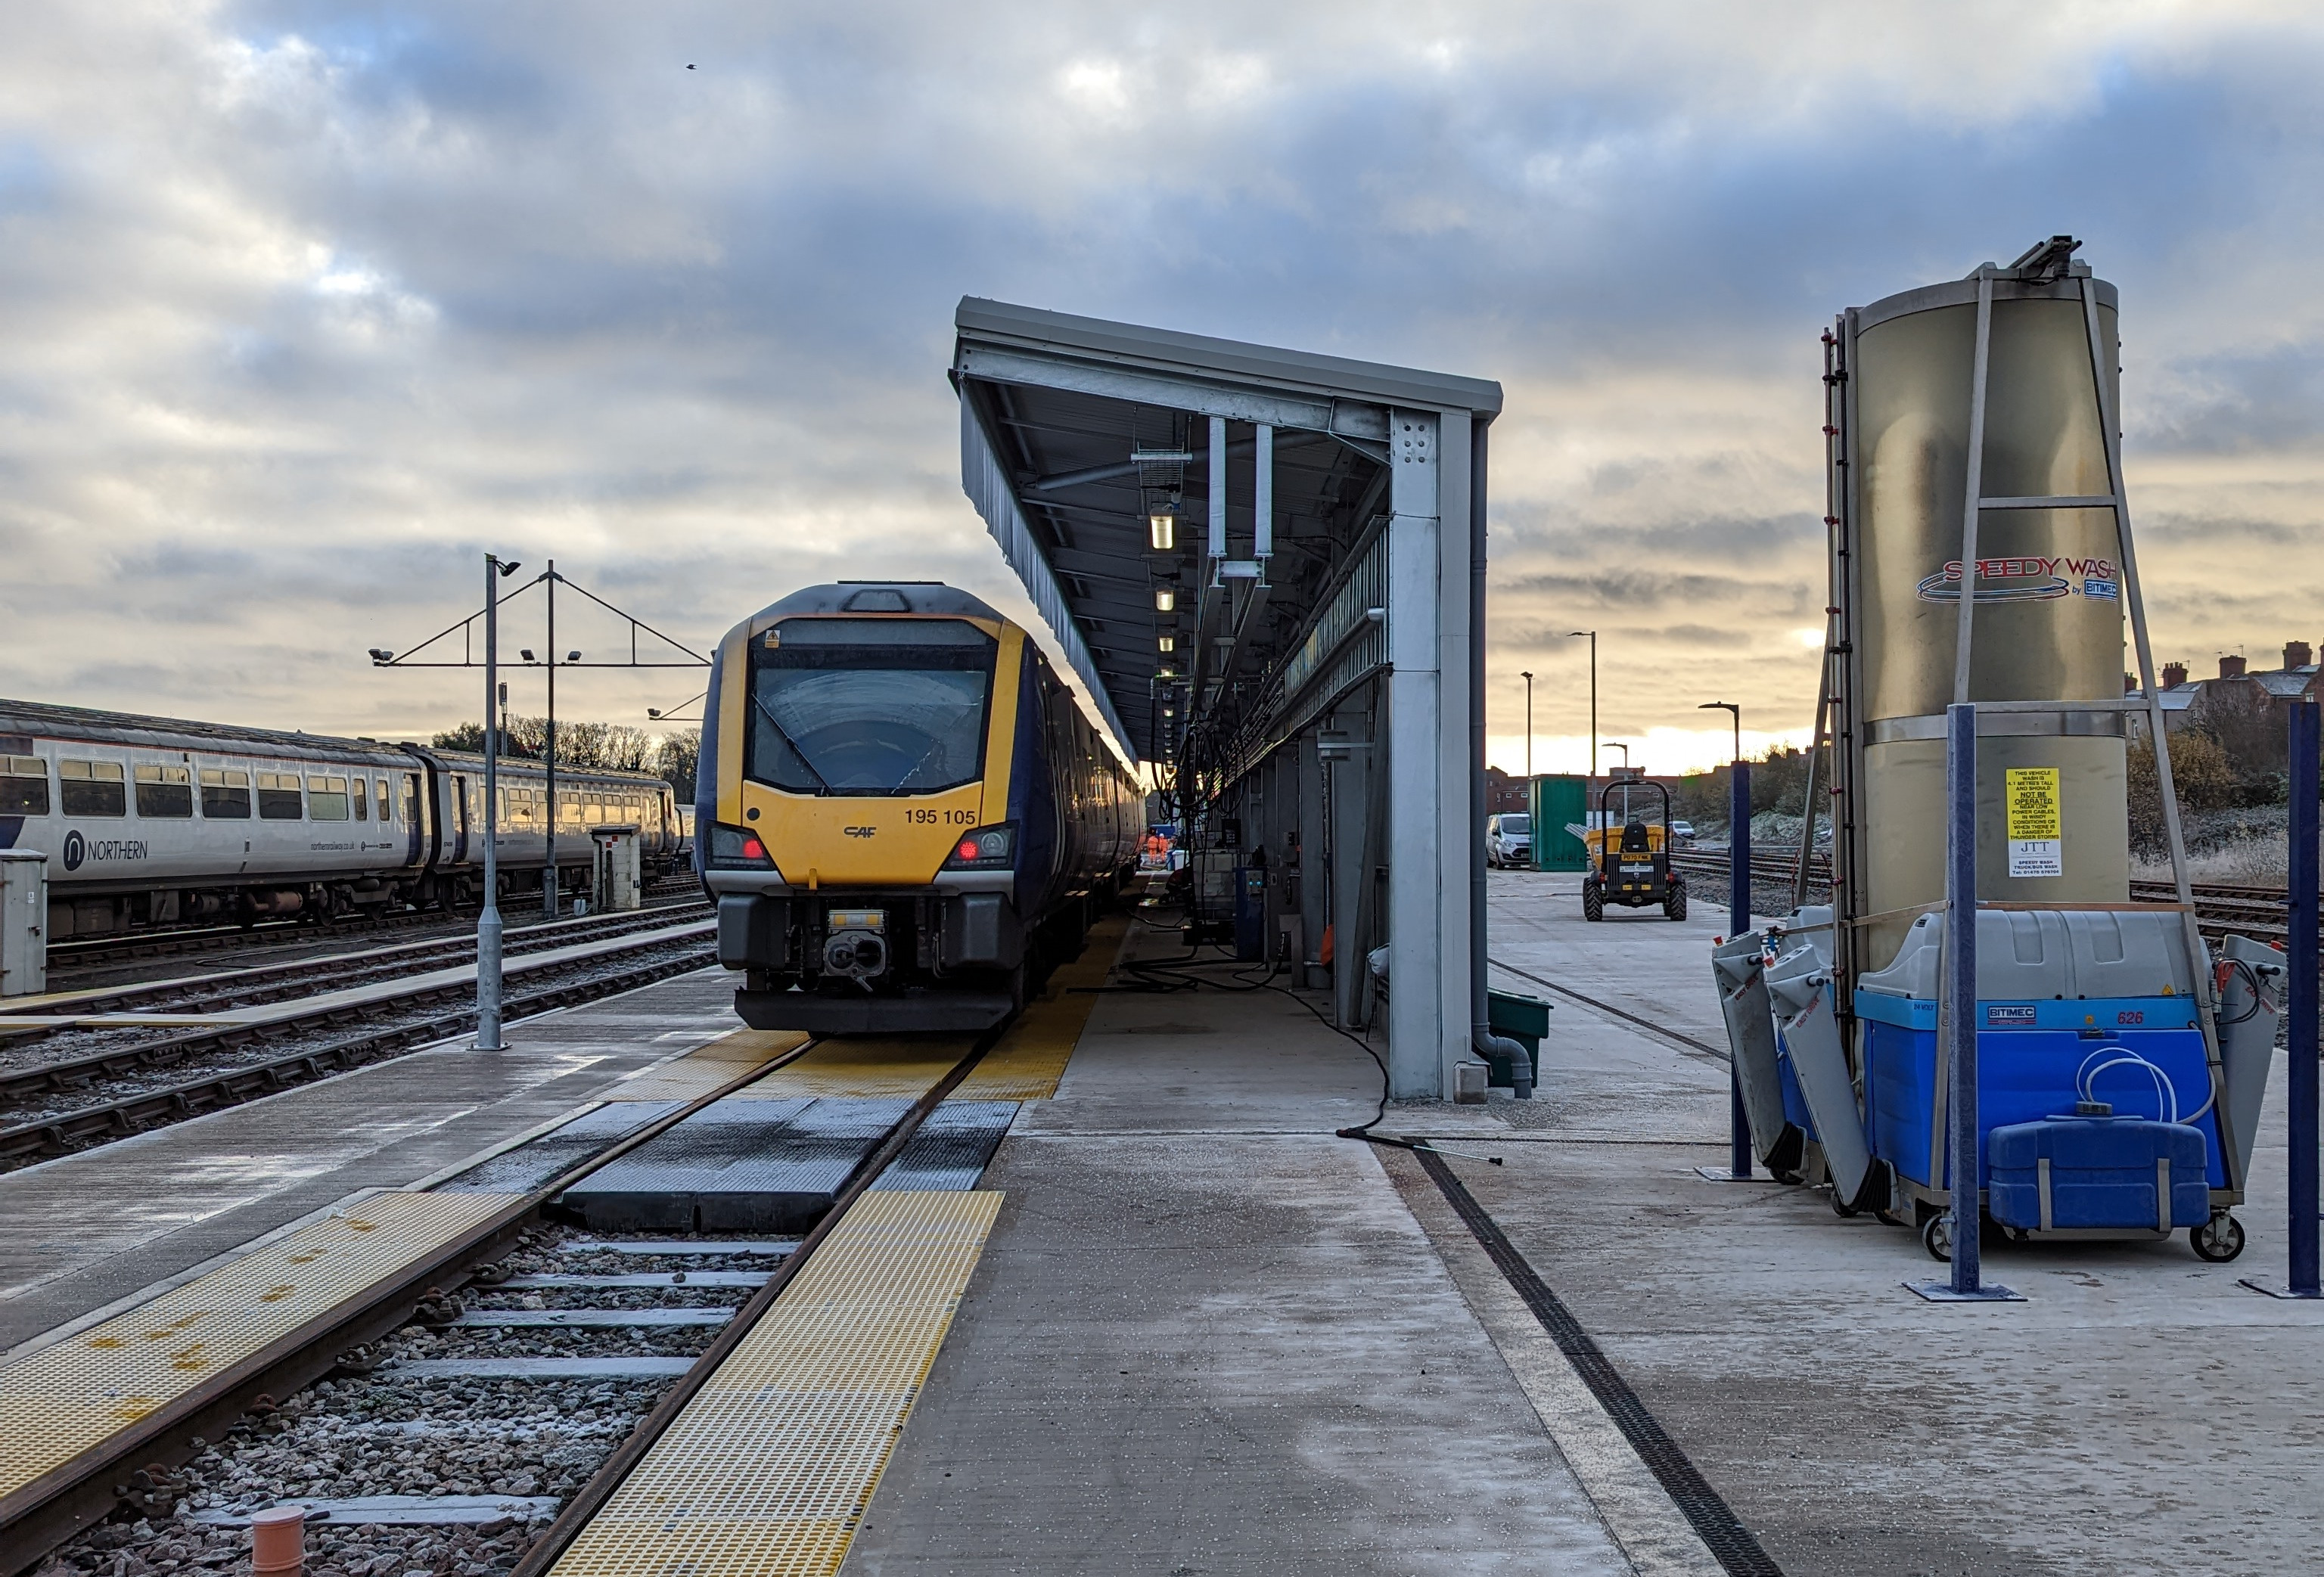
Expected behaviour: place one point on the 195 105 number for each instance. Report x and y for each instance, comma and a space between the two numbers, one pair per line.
948, 817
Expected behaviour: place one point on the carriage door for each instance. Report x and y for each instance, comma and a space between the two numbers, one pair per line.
411, 818
460, 810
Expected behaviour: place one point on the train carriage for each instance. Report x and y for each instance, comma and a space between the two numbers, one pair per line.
904, 815
151, 821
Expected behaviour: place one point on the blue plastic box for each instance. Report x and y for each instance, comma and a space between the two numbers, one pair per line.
2104, 1173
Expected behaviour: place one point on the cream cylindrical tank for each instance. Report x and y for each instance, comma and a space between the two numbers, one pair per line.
2048, 614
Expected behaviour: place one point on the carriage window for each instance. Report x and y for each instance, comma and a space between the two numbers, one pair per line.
23, 785
278, 797
165, 791
226, 793
386, 807
326, 799
411, 798
361, 798
870, 706
93, 788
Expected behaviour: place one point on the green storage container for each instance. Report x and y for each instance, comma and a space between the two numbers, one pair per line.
1559, 800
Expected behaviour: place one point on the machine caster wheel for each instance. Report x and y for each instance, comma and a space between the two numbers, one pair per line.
1937, 1237
1593, 902
2218, 1240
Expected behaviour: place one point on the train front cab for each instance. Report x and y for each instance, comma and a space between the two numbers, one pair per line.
862, 847
889, 837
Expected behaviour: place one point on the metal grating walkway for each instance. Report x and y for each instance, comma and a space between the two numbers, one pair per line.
65, 1399
768, 1471
952, 1147
543, 1158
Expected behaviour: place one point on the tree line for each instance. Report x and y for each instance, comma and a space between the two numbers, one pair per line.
604, 746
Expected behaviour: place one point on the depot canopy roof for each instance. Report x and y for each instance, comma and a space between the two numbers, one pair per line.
1076, 433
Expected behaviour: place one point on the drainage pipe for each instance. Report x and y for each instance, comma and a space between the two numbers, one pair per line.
1482, 1041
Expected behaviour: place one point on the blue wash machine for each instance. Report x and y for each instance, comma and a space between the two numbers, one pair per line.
2101, 1112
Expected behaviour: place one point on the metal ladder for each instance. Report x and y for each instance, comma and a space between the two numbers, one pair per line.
2049, 262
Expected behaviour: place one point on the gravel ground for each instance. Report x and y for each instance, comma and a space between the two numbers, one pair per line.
377, 1435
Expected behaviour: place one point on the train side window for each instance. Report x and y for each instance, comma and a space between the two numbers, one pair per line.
386, 803
360, 798
278, 797
93, 788
326, 799
165, 791
411, 798
226, 793
23, 785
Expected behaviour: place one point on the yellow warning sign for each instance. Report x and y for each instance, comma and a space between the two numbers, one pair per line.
2033, 802
2035, 819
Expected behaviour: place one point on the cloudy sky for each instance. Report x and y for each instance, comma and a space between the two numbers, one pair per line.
305, 305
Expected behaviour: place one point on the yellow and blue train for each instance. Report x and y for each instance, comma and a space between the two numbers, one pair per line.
901, 811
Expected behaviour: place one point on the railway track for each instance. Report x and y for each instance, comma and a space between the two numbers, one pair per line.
57, 1106
2257, 912
86, 955
262, 983
417, 1387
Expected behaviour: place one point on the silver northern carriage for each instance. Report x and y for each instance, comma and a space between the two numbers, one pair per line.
151, 820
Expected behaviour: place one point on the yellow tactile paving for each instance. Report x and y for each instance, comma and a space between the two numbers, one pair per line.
850, 1067
61, 1400
769, 1470
1031, 1057
1026, 1065
705, 1069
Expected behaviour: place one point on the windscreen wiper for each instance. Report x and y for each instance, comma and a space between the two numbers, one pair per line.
821, 781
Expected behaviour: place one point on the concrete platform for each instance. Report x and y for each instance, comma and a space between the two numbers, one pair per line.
1206, 1336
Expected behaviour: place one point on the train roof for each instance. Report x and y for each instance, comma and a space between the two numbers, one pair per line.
81, 723
474, 761
930, 598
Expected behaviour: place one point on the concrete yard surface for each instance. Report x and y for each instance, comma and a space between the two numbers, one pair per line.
2142, 1412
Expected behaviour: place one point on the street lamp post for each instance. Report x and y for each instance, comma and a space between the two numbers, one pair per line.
1528, 680
488, 924
1612, 745
1728, 706
1593, 695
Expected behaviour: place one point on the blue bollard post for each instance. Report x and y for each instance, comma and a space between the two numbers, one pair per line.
2301, 1001
1960, 1018
1738, 923
1960, 988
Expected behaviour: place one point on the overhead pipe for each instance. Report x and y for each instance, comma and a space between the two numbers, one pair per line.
1482, 1041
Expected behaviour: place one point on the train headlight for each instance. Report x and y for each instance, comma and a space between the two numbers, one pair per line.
987, 848
735, 848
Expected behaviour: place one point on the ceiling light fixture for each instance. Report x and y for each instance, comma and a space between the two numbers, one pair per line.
1166, 644
1164, 529
1165, 599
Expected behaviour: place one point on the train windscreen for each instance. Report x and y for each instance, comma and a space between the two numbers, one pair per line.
869, 706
